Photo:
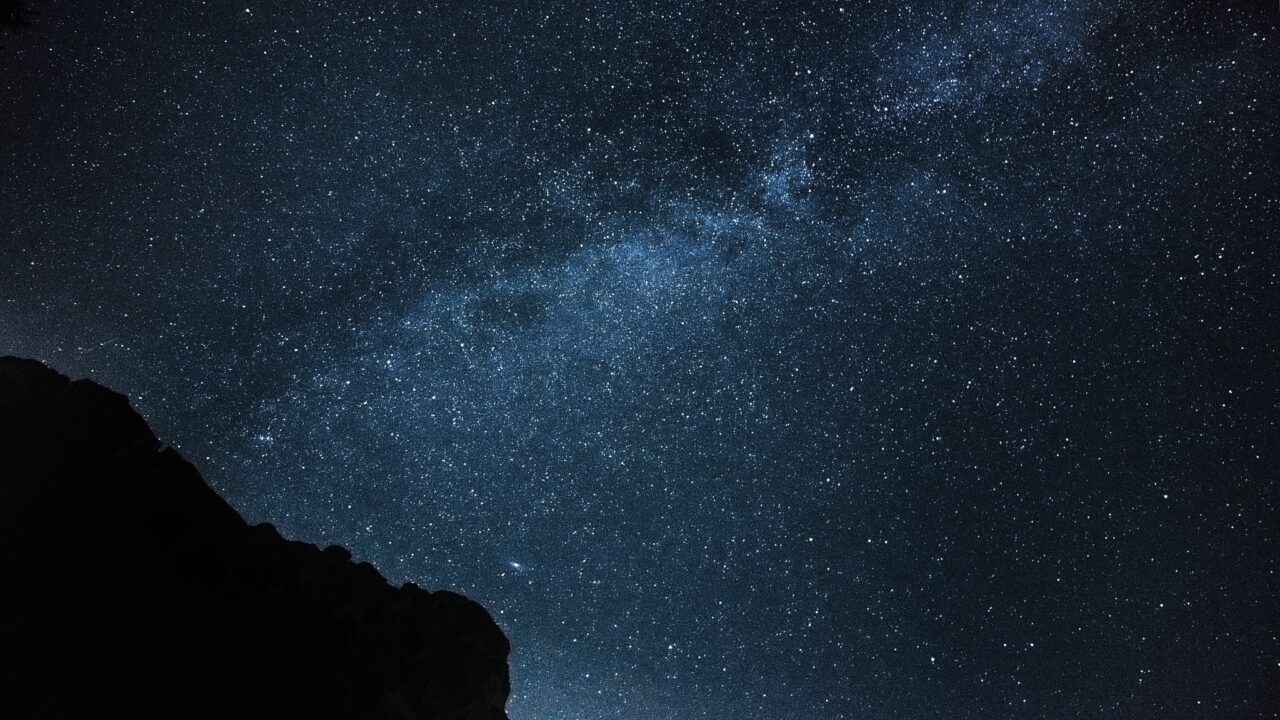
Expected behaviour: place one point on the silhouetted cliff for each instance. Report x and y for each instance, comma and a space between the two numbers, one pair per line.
130, 589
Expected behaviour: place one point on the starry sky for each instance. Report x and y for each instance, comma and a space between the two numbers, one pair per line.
750, 360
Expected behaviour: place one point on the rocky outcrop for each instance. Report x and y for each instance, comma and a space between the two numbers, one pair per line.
130, 589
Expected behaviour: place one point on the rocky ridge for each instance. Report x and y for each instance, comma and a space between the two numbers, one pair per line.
131, 587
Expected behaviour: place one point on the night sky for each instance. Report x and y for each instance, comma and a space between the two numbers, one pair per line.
748, 361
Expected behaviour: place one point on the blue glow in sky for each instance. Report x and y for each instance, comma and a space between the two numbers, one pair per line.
747, 360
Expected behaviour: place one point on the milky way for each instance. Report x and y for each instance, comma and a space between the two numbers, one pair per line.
764, 361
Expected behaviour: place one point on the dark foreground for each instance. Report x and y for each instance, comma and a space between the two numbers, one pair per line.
130, 589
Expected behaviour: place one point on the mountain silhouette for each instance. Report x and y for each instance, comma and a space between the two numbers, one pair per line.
130, 589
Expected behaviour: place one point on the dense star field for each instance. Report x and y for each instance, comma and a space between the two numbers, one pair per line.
747, 360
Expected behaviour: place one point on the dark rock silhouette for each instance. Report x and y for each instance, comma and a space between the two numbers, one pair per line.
130, 589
